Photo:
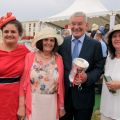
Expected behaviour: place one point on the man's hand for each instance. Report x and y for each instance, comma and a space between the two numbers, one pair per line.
80, 78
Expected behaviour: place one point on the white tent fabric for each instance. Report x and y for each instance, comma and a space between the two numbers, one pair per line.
92, 8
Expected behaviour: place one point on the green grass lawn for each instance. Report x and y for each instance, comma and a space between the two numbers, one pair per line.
97, 101
96, 113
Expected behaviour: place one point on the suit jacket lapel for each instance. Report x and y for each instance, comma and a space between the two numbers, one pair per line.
69, 50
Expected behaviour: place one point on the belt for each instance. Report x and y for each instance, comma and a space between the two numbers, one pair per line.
9, 80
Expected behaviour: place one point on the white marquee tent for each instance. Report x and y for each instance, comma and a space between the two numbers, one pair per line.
98, 11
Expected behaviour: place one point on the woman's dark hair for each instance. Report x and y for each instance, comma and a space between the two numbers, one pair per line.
110, 45
17, 24
39, 45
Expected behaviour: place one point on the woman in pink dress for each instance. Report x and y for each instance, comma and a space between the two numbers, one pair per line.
42, 88
12, 58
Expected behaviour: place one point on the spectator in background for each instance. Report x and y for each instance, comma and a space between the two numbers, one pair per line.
102, 30
12, 56
99, 36
66, 32
93, 30
107, 28
30, 45
110, 102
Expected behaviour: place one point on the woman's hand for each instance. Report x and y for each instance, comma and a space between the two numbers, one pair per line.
53, 87
113, 85
62, 112
21, 112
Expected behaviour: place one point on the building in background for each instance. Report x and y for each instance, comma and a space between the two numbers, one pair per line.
31, 28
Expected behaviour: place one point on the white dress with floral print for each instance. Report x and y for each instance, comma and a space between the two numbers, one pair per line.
44, 98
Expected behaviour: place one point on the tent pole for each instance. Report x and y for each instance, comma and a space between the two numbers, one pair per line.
112, 20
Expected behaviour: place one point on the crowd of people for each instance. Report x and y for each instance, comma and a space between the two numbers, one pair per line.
35, 84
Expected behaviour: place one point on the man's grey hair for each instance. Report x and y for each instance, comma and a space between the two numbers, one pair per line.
79, 14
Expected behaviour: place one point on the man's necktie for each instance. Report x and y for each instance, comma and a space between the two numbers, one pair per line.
75, 49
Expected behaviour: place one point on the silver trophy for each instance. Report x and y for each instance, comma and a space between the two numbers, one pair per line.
78, 65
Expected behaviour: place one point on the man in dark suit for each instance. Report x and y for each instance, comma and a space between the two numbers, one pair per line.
79, 102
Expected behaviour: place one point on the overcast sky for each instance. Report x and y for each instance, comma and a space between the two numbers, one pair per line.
36, 9
33, 9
